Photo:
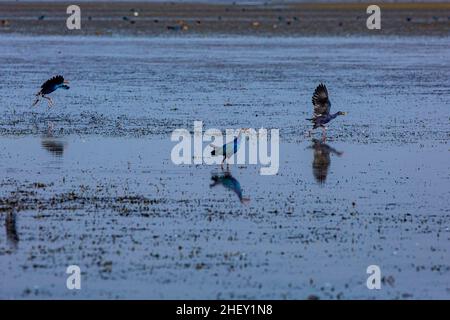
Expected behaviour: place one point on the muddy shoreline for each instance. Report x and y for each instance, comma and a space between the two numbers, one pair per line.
287, 19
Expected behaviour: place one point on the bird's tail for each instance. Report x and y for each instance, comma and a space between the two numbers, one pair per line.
215, 180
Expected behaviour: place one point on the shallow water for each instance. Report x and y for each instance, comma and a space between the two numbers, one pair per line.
139, 226
101, 192
395, 90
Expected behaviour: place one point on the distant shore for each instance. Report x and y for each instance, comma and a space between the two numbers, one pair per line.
288, 19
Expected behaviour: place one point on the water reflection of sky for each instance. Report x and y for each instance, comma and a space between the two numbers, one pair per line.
396, 169
162, 212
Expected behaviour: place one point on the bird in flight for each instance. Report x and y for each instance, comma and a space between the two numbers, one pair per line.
228, 149
322, 106
48, 87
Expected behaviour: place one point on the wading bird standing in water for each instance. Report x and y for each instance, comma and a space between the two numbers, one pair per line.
322, 106
228, 149
48, 87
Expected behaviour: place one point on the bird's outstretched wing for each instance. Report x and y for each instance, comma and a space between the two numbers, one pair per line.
56, 80
320, 101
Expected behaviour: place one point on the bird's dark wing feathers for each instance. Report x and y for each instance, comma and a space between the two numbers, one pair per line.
320, 101
52, 82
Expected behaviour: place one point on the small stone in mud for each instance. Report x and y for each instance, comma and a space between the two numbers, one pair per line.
388, 280
199, 266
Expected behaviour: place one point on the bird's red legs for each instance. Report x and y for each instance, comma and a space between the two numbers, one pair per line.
49, 100
324, 134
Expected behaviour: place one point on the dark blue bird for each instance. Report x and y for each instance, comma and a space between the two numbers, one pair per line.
49, 86
228, 149
229, 182
322, 106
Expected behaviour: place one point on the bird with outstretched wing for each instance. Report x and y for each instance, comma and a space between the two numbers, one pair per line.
49, 86
321, 112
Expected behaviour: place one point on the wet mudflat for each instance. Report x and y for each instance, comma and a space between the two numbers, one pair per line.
209, 18
100, 190
139, 226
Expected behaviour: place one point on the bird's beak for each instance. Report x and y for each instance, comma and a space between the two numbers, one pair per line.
66, 82
344, 113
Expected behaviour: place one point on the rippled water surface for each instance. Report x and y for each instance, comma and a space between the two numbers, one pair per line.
90, 182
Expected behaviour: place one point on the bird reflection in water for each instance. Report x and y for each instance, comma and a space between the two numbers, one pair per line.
11, 231
53, 145
228, 181
322, 159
